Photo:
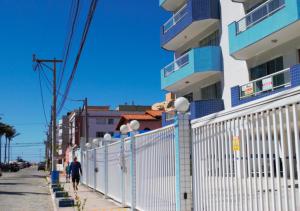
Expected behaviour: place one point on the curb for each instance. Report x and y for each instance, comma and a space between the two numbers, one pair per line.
54, 204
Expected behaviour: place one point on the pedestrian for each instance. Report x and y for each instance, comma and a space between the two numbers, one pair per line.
76, 171
68, 172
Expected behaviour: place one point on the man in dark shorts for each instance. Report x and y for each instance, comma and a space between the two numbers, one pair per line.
76, 171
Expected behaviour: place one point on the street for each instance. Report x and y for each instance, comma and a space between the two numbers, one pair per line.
25, 190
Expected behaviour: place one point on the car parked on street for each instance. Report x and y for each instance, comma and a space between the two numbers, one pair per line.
41, 166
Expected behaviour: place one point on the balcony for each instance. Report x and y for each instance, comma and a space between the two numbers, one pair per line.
272, 23
265, 86
192, 67
171, 5
198, 109
189, 22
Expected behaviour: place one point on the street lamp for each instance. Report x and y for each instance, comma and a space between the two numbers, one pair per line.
96, 141
134, 125
88, 145
181, 105
107, 137
124, 129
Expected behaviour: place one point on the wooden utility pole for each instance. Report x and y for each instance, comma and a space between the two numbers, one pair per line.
54, 97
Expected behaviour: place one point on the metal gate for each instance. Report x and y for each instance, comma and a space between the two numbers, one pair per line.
248, 160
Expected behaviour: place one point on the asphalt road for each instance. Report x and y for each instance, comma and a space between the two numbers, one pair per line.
26, 190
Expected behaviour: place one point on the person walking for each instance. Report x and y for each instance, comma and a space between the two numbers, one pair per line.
68, 172
76, 171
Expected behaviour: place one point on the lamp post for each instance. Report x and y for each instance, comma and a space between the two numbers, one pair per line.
124, 130
182, 157
134, 125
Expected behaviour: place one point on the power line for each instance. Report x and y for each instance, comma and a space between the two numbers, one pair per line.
69, 41
82, 42
42, 97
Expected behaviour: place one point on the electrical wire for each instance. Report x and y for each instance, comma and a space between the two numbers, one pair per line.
69, 42
42, 97
90, 16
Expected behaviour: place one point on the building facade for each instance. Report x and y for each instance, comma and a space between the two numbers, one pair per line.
229, 53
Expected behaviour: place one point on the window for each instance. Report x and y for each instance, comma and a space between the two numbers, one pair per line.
212, 39
189, 97
99, 134
212, 91
110, 121
100, 121
267, 68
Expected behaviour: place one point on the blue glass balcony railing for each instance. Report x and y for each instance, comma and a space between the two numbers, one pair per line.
176, 65
175, 18
258, 14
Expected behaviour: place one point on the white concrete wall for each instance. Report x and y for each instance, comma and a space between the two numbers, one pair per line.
235, 71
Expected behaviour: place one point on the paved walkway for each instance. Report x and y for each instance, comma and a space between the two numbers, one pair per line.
95, 201
25, 190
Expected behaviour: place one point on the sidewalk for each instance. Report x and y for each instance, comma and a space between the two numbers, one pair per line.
95, 201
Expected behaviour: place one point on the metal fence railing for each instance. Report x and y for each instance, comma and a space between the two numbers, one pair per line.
258, 14
268, 83
108, 170
177, 64
175, 19
155, 170
248, 160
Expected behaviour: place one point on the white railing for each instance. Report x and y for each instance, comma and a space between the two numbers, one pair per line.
175, 19
155, 170
267, 83
114, 172
177, 64
258, 14
100, 169
248, 159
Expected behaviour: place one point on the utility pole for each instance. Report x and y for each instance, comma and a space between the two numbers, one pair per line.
86, 121
54, 62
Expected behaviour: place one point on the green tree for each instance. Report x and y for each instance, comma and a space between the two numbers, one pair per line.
10, 134
3, 128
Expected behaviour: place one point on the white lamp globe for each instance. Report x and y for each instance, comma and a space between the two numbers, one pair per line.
182, 104
107, 137
87, 145
96, 141
124, 129
134, 125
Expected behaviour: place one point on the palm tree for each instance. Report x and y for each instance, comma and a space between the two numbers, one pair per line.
13, 134
10, 134
2, 132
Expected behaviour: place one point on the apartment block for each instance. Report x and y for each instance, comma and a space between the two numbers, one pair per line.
230, 53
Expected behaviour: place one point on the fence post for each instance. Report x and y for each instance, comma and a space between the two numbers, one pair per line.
134, 125
183, 179
95, 181
122, 164
133, 170
124, 130
105, 169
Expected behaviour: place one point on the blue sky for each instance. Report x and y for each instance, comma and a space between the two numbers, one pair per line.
120, 63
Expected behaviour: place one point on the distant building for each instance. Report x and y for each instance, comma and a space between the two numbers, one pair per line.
62, 140
149, 120
101, 120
